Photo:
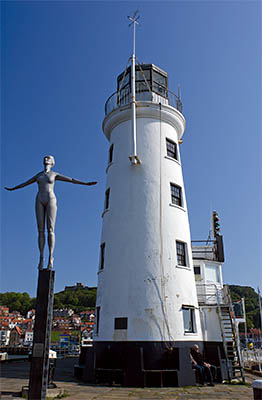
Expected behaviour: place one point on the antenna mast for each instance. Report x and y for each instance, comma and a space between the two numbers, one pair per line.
134, 158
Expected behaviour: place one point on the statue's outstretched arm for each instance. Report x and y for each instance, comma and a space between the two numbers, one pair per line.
26, 183
72, 180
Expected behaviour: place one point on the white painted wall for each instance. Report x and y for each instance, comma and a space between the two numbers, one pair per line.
210, 324
29, 335
4, 337
141, 279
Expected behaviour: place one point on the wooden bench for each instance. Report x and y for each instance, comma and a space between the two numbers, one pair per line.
110, 371
160, 372
111, 375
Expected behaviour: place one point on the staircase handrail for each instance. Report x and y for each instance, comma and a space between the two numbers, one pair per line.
234, 330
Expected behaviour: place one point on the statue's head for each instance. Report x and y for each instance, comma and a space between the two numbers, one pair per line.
49, 160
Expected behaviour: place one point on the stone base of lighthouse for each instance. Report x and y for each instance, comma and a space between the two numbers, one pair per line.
140, 364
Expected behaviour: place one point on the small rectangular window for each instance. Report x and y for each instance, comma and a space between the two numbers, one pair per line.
197, 272
212, 273
123, 81
181, 253
142, 76
111, 150
102, 255
159, 78
171, 149
189, 319
120, 323
97, 319
159, 83
107, 193
176, 196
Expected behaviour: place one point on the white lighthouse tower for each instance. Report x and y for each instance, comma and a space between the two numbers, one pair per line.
147, 314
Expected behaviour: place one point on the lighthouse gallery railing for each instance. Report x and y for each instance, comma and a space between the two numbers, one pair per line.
158, 94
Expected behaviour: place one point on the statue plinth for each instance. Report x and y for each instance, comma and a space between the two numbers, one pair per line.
42, 332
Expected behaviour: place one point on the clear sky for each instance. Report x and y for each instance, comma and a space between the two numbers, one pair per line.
60, 61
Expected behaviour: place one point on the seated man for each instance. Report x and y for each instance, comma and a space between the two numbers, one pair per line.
203, 368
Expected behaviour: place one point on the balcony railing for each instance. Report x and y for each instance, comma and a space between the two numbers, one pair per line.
203, 249
212, 293
157, 94
252, 359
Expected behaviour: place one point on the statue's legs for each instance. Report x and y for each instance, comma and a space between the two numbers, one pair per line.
51, 210
40, 218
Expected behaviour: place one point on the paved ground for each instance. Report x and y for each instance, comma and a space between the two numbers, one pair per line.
14, 375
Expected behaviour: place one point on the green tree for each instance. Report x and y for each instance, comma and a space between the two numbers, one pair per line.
251, 303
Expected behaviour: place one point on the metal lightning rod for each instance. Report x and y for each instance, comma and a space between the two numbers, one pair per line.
134, 158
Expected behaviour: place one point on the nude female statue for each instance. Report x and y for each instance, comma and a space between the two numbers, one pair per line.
45, 205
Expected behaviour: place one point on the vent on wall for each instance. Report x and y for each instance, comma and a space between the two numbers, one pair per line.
120, 323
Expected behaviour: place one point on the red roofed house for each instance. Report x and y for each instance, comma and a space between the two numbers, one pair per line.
4, 310
15, 336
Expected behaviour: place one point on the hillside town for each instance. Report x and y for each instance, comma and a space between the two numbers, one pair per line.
69, 330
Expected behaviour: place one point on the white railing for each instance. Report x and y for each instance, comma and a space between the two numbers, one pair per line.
252, 359
210, 293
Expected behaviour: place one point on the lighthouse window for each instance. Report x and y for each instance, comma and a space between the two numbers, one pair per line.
97, 319
107, 199
111, 149
123, 81
159, 83
189, 319
171, 149
102, 255
181, 253
141, 85
197, 272
142, 76
176, 197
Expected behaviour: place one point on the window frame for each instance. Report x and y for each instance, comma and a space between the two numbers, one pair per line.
171, 142
107, 196
110, 153
182, 256
192, 319
157, 87
140, 84
102, 256
176, 200
97, 319
198, 276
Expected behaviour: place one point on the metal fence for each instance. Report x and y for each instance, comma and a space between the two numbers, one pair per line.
252, 359
157, 95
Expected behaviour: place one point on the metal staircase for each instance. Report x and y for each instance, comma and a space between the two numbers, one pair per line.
229, 337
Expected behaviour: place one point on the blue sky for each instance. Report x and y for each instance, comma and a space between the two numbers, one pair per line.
60, 61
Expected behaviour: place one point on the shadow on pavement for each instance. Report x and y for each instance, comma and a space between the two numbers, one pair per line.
21, 369
13, 394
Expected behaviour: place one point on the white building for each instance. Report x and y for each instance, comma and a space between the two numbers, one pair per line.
28, 340
4, 337
218, 323
30, 314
